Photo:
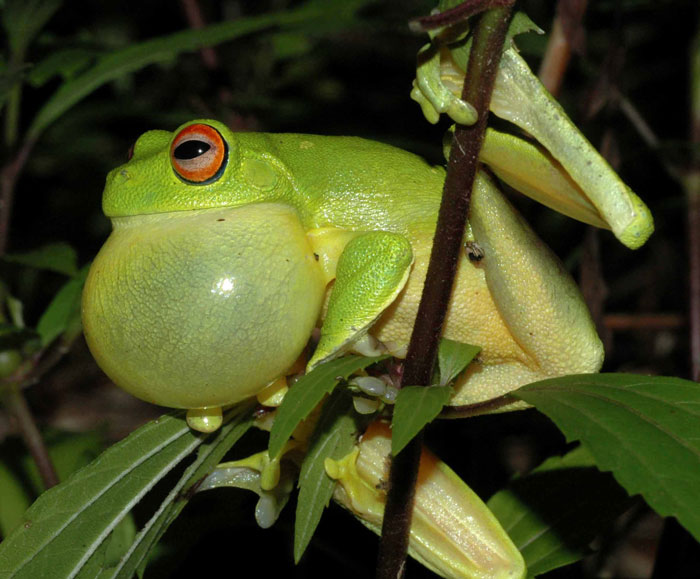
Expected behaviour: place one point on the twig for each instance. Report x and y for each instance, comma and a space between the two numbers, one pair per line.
692, 187
566, 37
484, 59
193, 13
17, 406
8, 181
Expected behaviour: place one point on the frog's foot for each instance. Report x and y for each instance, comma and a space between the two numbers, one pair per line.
260, 474
205, 419
438, 85
371, 272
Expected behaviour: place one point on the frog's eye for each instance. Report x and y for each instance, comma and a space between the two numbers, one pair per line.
198, 154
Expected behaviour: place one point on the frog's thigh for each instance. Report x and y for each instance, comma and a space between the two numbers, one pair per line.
371, 272
472, 316
536, 298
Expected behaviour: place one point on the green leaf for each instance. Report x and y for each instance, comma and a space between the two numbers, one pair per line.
307, 392
334, 437
209, 455
59, 257
65, 63
644, 429
15, 498
63, 313
453, 358
555, 527
136, 56
22, 21
415, 407
88, 506
521, 24
68, 525
16, 310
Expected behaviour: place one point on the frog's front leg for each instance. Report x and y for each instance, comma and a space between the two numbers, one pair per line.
371, 271
536, 299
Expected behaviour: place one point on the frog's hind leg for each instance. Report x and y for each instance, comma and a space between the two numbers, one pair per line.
536, 298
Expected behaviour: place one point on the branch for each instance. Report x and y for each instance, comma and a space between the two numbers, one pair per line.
484, 59
566, 37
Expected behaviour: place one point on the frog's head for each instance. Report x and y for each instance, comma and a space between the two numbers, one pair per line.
198, 166
207, 289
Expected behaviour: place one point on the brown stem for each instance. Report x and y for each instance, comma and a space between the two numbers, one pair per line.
8, 181
566, 36
485, 56
694, 274
195, 19
17, 405
459, 13
692, 187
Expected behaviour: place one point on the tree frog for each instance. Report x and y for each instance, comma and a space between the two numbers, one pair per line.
229, 248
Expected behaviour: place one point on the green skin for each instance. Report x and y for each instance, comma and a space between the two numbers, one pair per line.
205, 294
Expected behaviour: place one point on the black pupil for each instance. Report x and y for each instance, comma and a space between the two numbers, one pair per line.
191, 149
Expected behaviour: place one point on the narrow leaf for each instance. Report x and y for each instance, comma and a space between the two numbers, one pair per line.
453, 358
59, 257
415, 407
135, 57
23, 19
209, 455
554, 528
334, 437
63, 313
85, 509
305, 395
645, 429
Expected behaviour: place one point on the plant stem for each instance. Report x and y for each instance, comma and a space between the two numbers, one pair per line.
485, 56
566, 36
17, 405
8, 180
692, 188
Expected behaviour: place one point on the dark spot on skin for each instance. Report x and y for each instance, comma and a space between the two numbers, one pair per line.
316, 256
221, 220
474, 252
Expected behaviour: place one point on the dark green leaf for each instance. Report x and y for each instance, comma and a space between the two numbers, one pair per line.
334, 436
19, 477
23, 19
453, 358
209, 455
554, 513
520, 24
15, 498
645, 429
63, 313
65, 63
305, 395
415, 407
83, 510
59, 257
16, 310
135, 57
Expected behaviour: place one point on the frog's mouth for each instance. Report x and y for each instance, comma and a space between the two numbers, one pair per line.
162, 217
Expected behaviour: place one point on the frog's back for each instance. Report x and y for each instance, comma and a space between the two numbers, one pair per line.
354, 183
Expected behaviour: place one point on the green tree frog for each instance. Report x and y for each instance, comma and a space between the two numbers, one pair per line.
229, 248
